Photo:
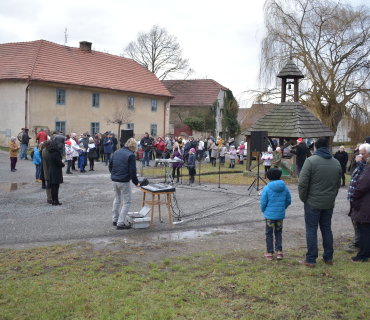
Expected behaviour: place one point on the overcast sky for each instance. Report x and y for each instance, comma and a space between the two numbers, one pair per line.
220, 38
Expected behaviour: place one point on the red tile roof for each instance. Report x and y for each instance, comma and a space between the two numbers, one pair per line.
42, 60
193, 92
253, 114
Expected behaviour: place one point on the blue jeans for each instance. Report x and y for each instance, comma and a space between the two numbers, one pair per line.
271, 226
146, 157
24, 151
313, 218
299, 169
107, 158
38, 170
201, 154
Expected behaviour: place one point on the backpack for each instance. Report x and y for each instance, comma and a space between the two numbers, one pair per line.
19, 136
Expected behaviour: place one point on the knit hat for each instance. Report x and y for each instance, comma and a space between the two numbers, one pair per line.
68, 142
192, 150
367, 139
300, 140
321, 143
273, 174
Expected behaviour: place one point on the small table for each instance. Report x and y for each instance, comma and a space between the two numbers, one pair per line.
158, 203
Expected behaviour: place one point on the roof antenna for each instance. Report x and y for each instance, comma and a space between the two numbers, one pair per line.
65, 36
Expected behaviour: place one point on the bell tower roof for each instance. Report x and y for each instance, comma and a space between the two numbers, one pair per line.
290, 71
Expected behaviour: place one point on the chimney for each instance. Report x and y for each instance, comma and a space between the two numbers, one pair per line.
85, 46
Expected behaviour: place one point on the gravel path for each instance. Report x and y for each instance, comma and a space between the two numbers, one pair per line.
212, 218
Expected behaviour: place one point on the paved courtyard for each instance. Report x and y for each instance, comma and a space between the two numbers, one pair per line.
231, 215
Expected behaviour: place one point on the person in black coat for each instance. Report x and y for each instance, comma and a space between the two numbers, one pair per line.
115, 142
301, 153
342, 156
55, 172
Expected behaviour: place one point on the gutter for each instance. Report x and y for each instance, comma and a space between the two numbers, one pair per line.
164, 122
26, 106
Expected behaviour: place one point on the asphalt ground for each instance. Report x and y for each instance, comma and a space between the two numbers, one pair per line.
27, 220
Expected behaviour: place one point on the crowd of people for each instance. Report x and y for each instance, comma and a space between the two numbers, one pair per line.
48, 155
320, 177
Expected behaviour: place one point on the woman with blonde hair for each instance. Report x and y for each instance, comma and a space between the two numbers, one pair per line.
122, 168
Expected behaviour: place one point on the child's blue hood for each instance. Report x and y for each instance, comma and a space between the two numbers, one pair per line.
277, 185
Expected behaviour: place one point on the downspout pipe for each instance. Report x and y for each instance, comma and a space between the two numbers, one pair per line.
26, 105
164, 117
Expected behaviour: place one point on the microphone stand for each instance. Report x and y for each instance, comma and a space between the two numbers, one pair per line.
219, 174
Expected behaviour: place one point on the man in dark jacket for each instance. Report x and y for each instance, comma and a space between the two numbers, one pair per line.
24, 144
318, 187
301, 153
147, 144
122, 167
360, 204
115, 142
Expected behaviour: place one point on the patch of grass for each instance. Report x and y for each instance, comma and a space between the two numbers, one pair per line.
76, 282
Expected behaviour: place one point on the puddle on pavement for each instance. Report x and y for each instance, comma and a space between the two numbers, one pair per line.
192, 234
8, 187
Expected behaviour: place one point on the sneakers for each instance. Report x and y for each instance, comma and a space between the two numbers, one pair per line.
268, 256
123, 227
114, 224
279, 255
356, 259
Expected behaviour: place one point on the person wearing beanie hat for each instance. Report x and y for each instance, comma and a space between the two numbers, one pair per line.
13, 153
318, 186
267, 159
91, 153
278, 157
232, 157
191, 165
367, 139
69, 155
301, 153
275, 198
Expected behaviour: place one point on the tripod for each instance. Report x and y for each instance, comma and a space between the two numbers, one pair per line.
257, 180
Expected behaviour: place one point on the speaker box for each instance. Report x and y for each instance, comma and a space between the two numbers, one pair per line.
125, 135
259, 141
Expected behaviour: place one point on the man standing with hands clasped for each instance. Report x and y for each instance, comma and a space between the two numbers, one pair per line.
318, 186
122, 167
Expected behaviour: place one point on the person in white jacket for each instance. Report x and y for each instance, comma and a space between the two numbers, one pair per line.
267, 159
75, 148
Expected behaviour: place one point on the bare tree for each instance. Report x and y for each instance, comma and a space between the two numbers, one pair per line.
121, 115
330, 42
159, 52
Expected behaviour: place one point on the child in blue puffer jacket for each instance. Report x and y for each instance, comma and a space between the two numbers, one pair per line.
275, 198
37, 163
